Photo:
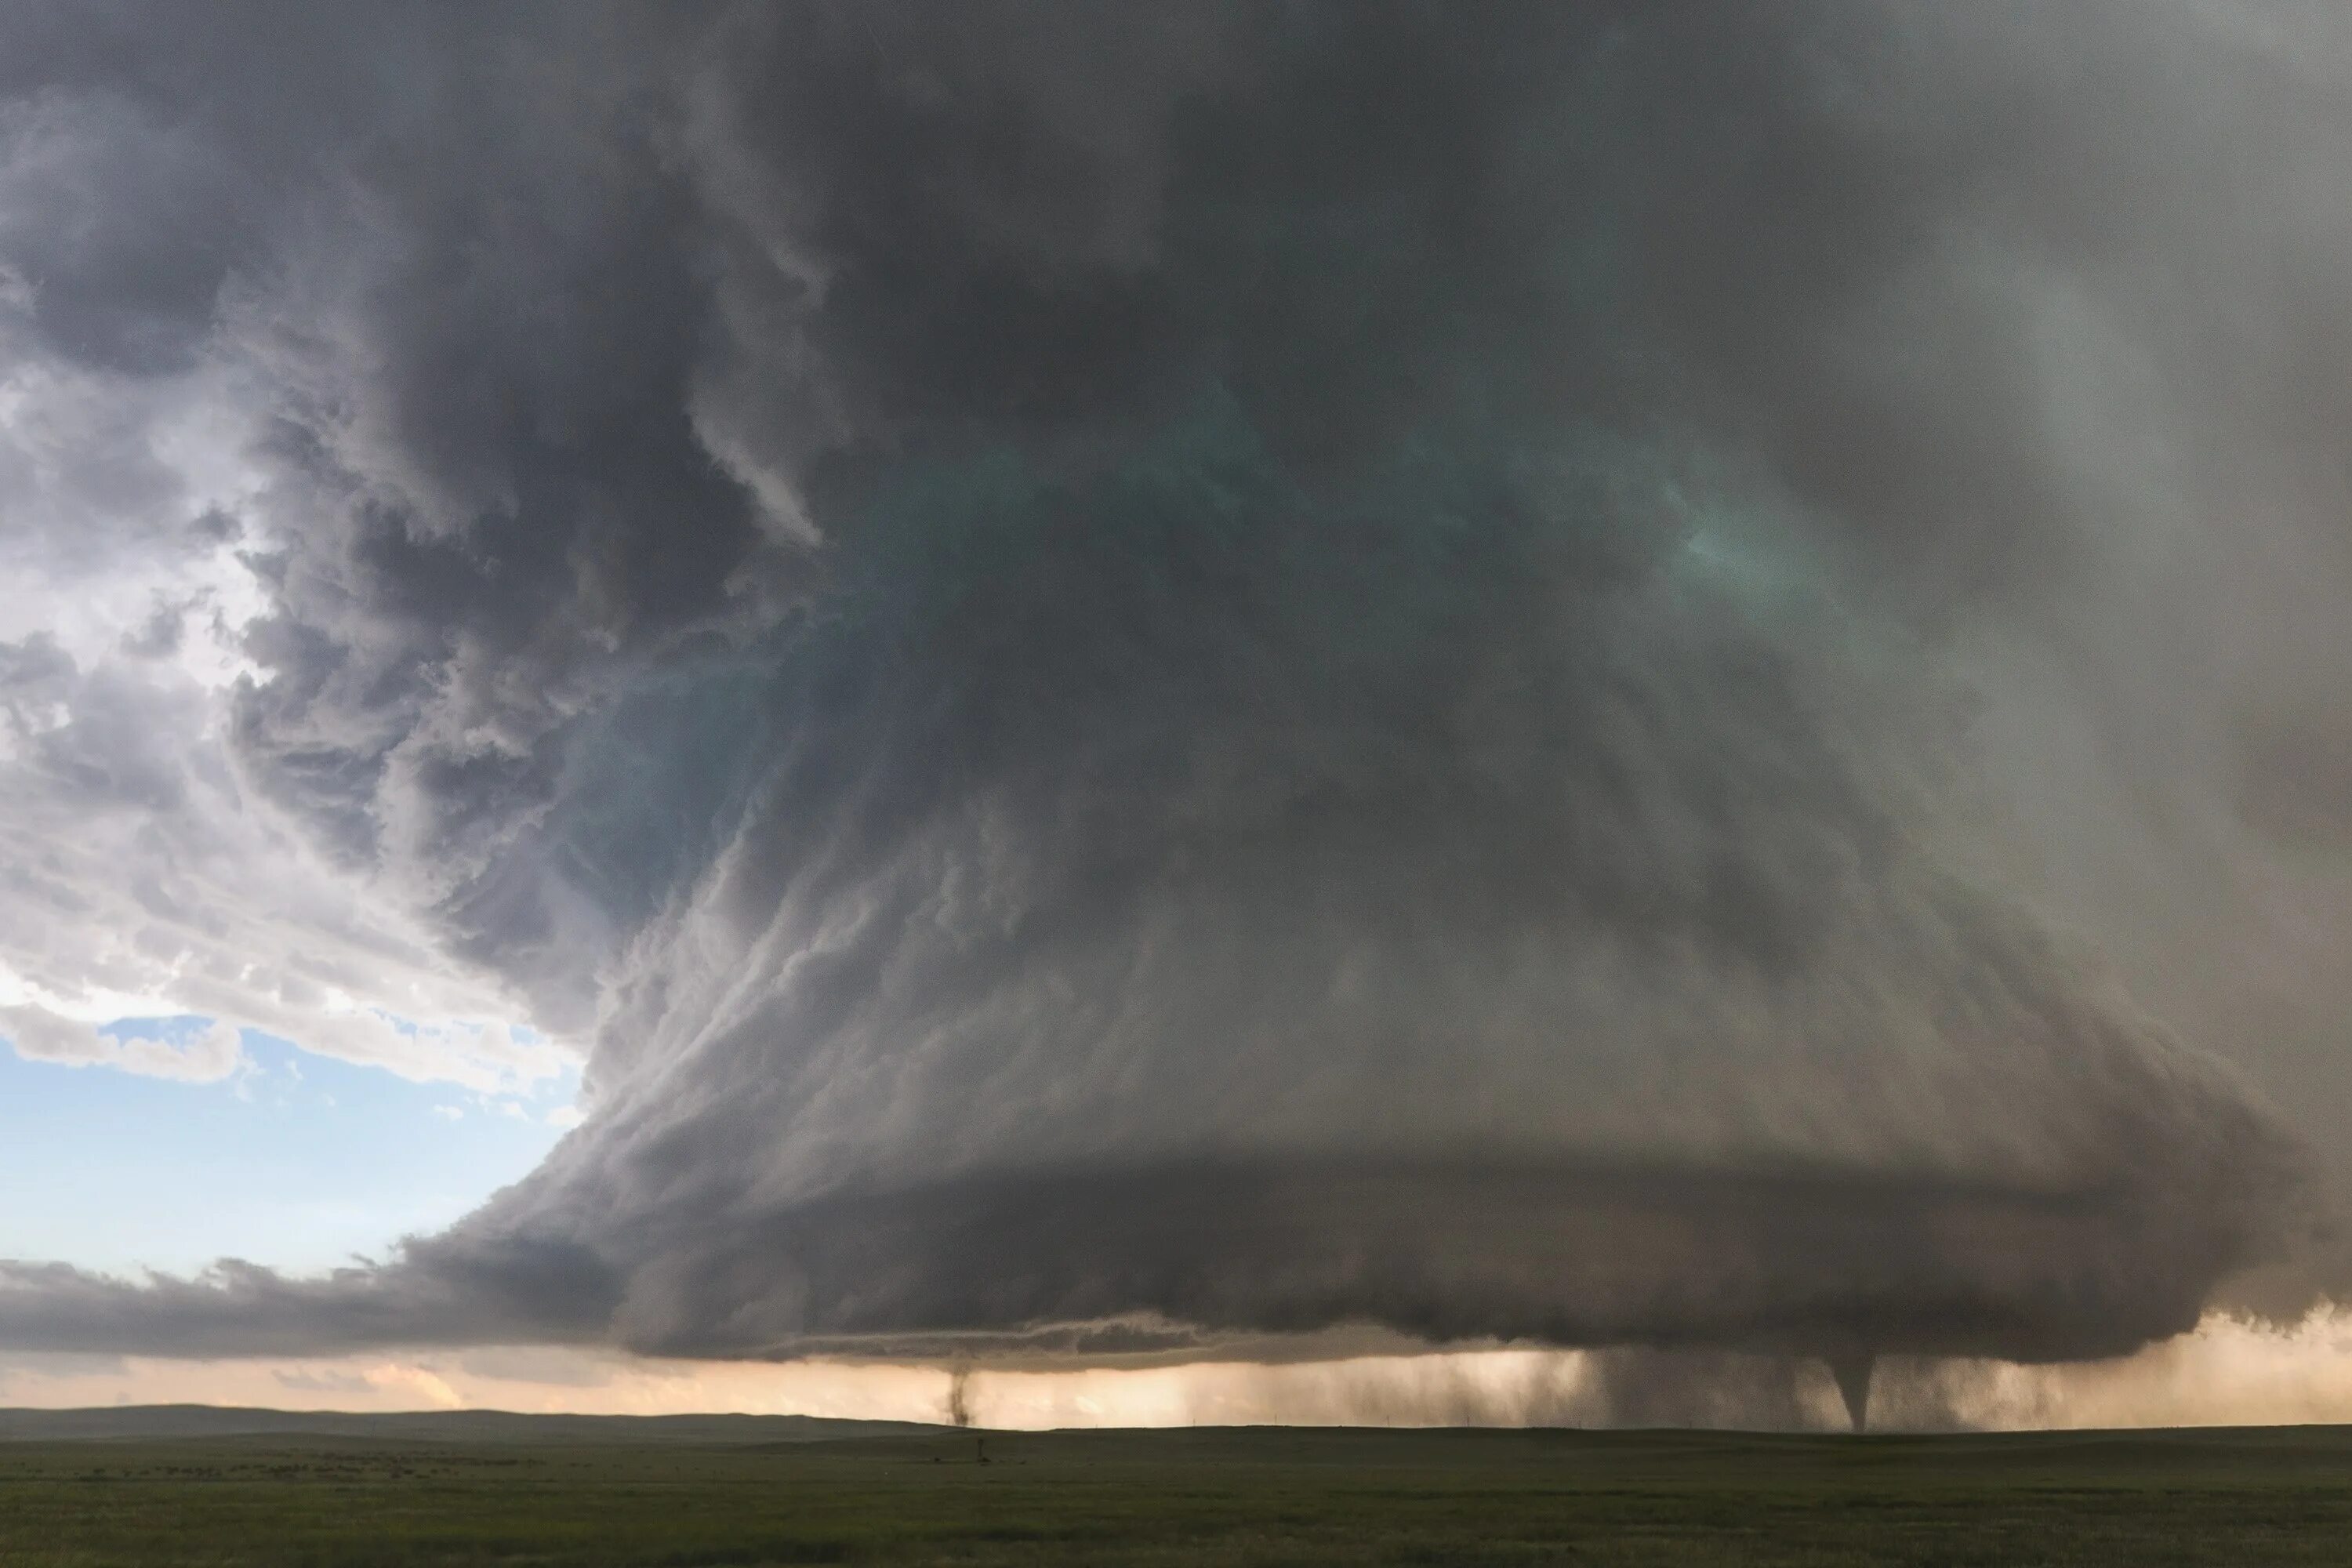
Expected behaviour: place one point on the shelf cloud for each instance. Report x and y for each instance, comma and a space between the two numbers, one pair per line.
1151, 680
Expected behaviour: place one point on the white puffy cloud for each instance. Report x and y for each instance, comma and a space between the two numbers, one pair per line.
145, 880
143, 876
210, 1055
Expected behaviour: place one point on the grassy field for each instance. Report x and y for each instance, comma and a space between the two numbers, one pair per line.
1204, 1495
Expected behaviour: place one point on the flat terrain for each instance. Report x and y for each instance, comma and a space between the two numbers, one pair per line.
501, 1493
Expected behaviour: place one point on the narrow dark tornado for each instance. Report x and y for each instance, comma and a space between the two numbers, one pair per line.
1852, 1371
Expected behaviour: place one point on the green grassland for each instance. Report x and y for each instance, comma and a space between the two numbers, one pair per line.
683, 1496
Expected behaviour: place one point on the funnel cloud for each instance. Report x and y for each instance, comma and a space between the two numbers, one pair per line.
1146, 681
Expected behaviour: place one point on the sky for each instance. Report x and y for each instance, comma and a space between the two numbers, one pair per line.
294, 1160
1317, 710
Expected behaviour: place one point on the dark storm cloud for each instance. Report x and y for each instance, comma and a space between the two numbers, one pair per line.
1208, 672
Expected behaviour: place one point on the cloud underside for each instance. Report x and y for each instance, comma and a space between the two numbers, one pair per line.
1147, 681
1119, 1267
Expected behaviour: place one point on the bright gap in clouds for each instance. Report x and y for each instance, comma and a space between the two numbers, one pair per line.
2228, 1371
297, 1161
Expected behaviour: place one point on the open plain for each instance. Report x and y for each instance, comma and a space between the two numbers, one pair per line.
582, 1493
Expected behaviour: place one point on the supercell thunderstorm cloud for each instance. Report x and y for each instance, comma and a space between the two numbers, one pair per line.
1146, 679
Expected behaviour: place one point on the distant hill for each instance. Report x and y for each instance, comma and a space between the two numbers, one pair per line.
154, 1421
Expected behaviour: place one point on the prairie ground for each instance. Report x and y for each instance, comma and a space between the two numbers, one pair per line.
1200, 1496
